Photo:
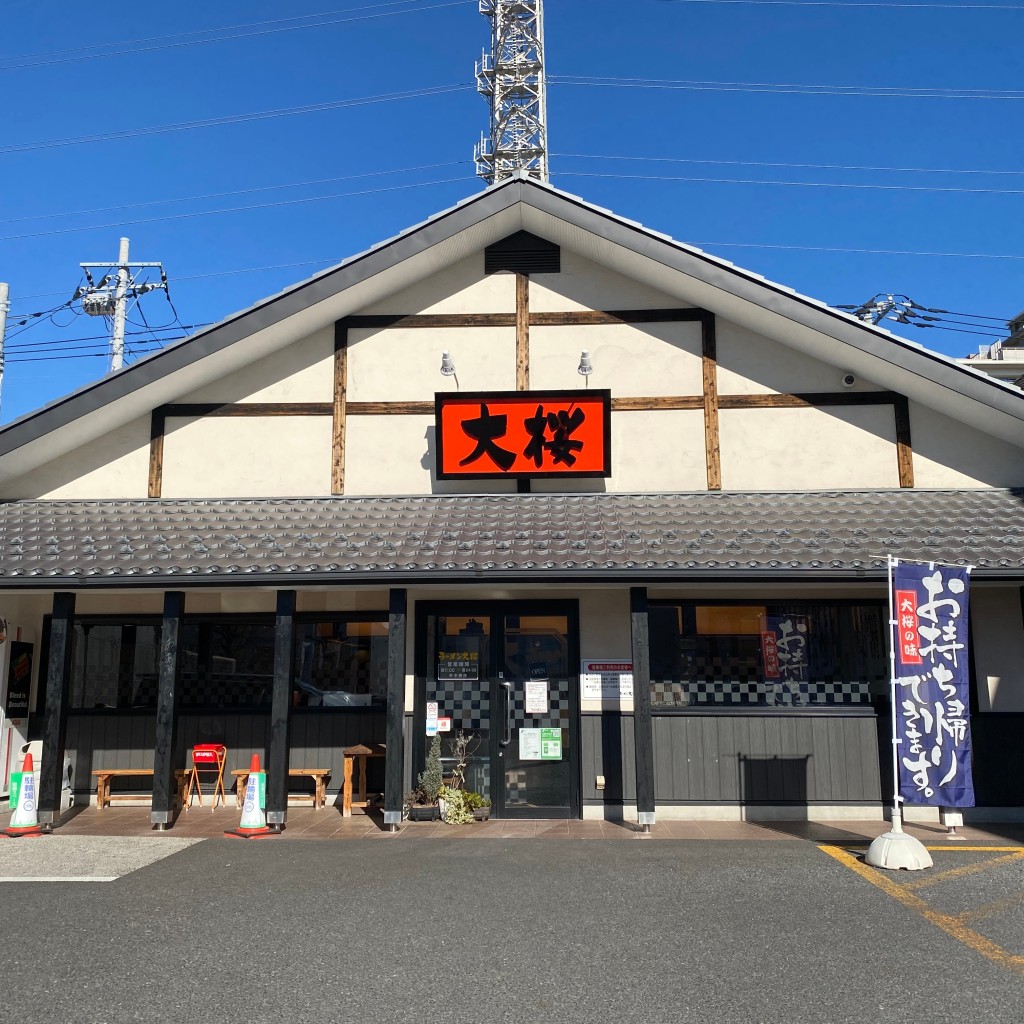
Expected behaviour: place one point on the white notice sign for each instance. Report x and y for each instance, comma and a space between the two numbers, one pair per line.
529, 744
606, 680
536, 697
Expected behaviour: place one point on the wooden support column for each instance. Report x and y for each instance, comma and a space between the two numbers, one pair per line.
394, 790
710, 368
522, 332
340, 402
55, 718
643, 727
168, 699
280, 710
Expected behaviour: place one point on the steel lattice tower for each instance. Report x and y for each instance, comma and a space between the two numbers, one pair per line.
511, 76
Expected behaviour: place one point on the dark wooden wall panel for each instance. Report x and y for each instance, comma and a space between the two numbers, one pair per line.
767, 759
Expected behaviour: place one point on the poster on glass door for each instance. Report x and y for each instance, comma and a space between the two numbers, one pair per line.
540, 744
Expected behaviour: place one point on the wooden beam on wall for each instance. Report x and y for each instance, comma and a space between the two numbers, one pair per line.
522, 332
339, 410
157, 425
709, 363
904, 448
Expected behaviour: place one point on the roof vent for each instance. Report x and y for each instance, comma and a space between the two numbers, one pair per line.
523, 253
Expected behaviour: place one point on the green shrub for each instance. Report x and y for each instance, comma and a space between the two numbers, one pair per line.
431, 778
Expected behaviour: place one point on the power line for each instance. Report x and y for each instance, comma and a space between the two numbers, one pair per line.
858, 3
181, 126
765, 163
57, 343
235, 192
167, 42
798, 184
232, 209
785, 88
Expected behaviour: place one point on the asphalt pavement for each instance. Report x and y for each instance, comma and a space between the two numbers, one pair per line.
467, 930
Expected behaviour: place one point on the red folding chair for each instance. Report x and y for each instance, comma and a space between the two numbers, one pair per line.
207, 759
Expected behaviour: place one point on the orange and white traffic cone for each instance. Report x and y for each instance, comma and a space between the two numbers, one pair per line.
254, 822
25, 819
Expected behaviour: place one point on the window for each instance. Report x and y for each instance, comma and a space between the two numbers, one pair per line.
796, 654
341, 663
227, 663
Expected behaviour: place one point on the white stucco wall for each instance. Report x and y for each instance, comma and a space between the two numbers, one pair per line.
115, 467
751, 364
949, 454
302, 372
658, 451
396, 365
583, 284
812, 448
997, 619
632, 359
462, 287
229, 457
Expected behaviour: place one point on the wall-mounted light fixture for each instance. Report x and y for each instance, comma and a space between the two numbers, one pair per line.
586, 367
448, 367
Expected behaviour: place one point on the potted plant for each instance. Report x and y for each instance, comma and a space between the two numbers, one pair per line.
479, 805
422, 800
455, 810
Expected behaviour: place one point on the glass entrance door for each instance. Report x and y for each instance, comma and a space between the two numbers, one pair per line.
503, 675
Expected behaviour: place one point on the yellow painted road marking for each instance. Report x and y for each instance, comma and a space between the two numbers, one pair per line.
992, 908
952, 926
965, 869
979, 849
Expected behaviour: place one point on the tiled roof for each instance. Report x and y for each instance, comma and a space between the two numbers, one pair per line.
579, 537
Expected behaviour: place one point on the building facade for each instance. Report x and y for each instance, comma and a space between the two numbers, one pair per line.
616, 509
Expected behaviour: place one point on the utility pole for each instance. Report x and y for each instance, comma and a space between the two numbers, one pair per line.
511, 77
5, 305
112, 302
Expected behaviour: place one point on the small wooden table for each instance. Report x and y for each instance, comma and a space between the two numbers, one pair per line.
360, 752
318, 775
105, 775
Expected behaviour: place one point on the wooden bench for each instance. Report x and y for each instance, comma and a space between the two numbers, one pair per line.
360, 752
104, 776
318, 775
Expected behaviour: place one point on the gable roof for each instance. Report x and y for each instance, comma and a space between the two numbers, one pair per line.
516, 204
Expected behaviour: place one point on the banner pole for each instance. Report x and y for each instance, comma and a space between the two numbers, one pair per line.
897, 816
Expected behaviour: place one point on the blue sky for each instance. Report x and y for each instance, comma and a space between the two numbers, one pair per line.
706, 128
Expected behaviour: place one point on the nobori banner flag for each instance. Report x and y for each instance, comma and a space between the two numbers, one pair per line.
931, 684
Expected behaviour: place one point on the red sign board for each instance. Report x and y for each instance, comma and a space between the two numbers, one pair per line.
770, 655
523, 434
906, 627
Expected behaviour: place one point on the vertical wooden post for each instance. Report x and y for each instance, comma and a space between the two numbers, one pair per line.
157, 429
168, 699
904, 446
55, 718
340, 402
643, 728
522, 332
280, 710
398, 604
710, 372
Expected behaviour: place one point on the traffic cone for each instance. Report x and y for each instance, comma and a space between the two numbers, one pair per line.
25, 819
254, 822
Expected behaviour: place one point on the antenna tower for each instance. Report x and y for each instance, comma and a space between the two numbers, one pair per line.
511, 77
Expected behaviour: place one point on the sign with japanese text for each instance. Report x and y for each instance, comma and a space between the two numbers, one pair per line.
460, 659
786, 659
606, 680
540, 744
523, 434
931, 684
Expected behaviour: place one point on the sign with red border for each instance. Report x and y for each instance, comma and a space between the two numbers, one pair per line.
523, 434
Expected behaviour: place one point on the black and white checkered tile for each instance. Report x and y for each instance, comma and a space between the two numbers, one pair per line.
703, 692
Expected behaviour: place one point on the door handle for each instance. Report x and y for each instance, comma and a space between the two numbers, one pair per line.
508, 714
